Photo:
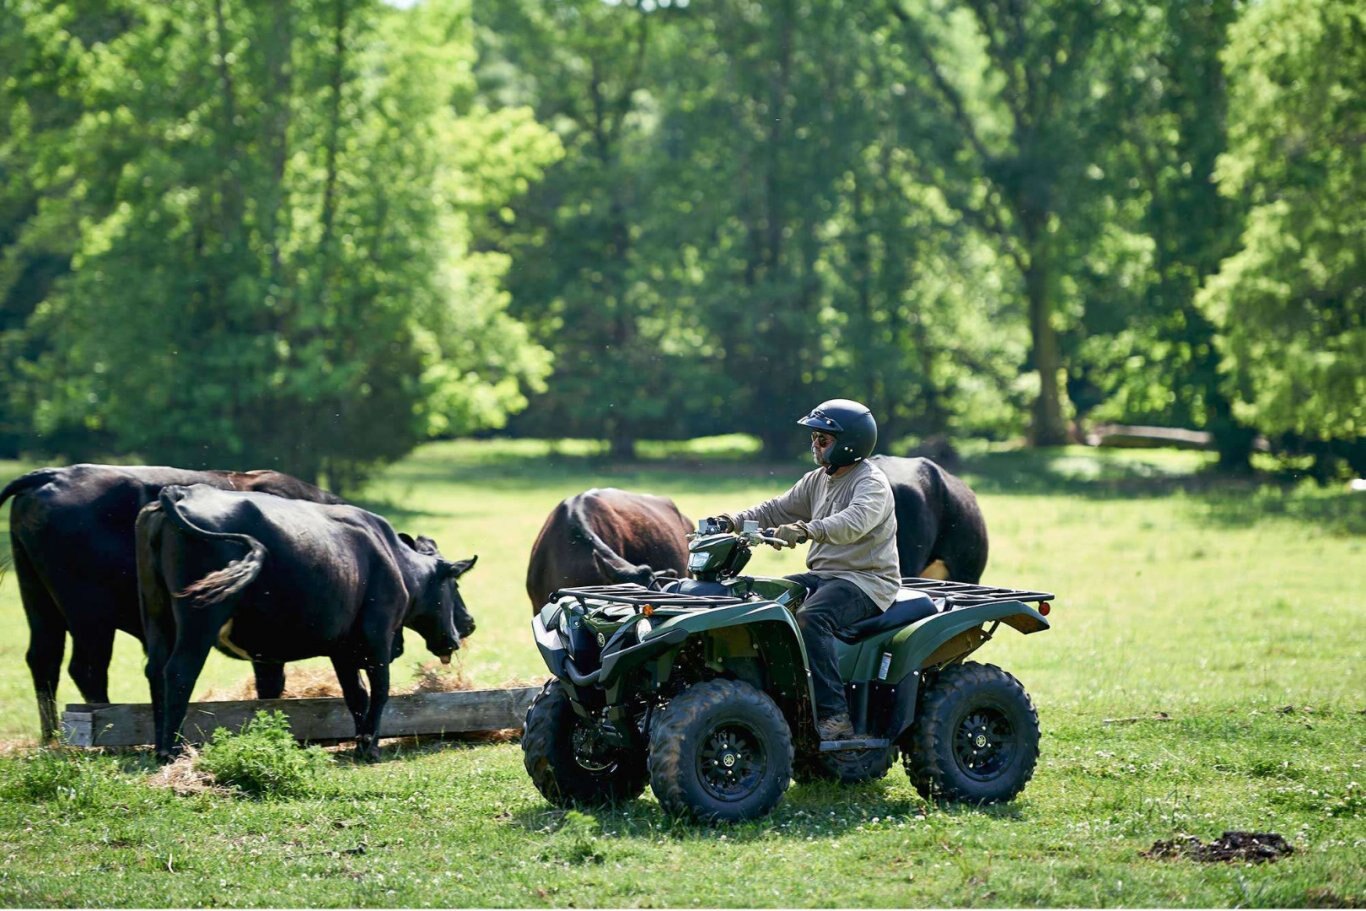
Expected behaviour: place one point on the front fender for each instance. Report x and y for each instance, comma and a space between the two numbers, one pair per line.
769, 627
548, 643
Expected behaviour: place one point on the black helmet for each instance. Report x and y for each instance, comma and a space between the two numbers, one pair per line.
852, 426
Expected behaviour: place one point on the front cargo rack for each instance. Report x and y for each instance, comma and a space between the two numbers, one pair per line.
963, 594
630, 593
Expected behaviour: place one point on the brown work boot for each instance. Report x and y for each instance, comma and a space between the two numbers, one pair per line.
836, 727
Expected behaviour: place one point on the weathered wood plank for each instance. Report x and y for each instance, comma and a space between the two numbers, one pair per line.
461, 712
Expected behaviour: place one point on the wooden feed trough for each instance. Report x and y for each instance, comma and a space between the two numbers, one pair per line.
311, 720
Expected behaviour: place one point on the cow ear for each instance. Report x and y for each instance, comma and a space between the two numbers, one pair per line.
407, 539
458, 568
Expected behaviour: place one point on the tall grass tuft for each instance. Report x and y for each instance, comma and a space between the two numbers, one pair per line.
60, 774
263, 760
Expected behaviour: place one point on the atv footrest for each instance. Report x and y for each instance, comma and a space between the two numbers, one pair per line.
869, 743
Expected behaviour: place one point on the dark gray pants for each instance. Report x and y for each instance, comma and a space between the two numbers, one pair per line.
830, 605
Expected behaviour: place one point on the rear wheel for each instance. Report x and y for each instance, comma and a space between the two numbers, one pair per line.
976, 738
721, 751
567, 763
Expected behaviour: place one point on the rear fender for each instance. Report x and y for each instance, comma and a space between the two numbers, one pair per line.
938, 640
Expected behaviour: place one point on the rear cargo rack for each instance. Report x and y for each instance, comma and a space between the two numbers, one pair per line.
630, 593
961, 594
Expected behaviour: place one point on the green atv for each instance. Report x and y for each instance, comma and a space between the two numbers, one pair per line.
700, 687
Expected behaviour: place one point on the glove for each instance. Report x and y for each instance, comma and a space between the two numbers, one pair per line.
792, 535
722, 523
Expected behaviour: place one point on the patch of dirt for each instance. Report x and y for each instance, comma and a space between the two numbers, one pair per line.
1249, 847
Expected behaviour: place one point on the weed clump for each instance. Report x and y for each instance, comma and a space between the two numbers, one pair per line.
263, 760
54, 774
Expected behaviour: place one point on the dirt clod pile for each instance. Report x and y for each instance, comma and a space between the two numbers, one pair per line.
1250, 847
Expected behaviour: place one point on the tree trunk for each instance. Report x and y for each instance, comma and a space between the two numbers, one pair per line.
1047, 426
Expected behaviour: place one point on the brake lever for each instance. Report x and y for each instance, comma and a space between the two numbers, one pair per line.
772, 541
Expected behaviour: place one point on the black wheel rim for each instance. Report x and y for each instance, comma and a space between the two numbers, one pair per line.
731, 762
984, 743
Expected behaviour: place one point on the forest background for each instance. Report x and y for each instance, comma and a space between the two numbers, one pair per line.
312, 235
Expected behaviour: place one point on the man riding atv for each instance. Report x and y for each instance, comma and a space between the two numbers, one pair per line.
845, 509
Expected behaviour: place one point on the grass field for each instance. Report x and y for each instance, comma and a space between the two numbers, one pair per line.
1204, 673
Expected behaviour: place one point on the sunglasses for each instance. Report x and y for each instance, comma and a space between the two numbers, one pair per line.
821, 439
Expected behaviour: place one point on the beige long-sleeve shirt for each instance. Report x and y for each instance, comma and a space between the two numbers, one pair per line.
851, 523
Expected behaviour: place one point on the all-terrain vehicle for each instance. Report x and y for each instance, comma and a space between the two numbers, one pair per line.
700, 687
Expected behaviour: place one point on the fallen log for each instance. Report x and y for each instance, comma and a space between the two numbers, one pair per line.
311, 720
1128, 436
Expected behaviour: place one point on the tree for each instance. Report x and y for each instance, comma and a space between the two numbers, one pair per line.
1290, 305
284, 276
1015, 86
39, 227
585, 66
1144, 352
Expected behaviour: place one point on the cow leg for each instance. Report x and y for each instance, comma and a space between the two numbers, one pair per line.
270, 679
357, 699
46, 640
91, 651
156, 619
379, 698
160, 637
193, 641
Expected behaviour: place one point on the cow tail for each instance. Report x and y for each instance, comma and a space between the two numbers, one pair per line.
19, 485
221, 583
612, 563
28, 482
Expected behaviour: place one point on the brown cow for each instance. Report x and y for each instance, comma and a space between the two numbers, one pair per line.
71, 533
604, 536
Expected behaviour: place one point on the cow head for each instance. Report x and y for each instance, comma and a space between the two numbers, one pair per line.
439, 615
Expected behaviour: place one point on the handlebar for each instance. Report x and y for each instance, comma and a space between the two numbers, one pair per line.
762, 536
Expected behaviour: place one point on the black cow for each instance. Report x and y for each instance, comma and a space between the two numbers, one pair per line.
605, 536
71, 533
282, 580
940, 530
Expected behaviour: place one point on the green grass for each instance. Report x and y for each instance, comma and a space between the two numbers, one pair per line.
1203, 673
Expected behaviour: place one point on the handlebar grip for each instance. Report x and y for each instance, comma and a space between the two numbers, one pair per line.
770, 536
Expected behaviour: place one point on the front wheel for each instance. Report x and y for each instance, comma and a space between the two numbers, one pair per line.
976, 738
721, 751
567, 764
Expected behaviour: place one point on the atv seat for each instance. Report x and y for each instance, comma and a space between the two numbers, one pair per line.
910, 605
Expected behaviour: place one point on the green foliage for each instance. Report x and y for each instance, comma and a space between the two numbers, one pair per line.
274, 260
67, 776
1291, 303
312, 235
263, 760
